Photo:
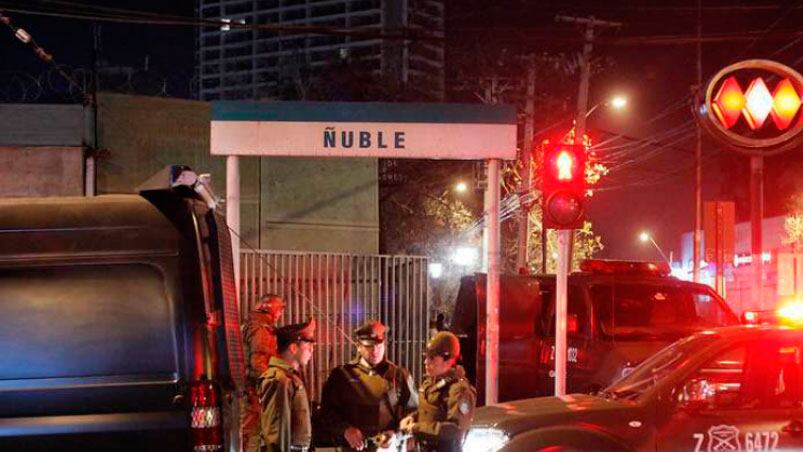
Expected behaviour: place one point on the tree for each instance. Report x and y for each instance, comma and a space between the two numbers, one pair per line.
793, 223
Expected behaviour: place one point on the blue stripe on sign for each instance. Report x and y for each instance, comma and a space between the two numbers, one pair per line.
363, 112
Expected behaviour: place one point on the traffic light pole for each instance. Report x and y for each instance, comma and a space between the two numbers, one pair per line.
565, 235
492, 285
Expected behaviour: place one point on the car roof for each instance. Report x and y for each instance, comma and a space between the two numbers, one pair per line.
728, 333
624, 277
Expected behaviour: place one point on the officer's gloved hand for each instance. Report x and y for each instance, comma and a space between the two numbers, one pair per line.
355, 438
385, 439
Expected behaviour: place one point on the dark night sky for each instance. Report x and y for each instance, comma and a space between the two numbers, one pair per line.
655, 194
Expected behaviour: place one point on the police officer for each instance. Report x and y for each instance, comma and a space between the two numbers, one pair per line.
285, 410
364, 401
446, 398
260, 344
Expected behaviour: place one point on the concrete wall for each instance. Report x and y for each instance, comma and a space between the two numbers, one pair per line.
41, 151
41, 125
41, 171
309, 203
302, 204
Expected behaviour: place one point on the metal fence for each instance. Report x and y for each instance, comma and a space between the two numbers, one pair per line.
342, 291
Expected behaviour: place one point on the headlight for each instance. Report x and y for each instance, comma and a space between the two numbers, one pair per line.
484, 440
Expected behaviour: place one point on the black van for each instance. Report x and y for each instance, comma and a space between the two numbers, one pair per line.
118, 322
619, 314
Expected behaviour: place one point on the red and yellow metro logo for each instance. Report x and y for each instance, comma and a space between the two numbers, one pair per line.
755, 106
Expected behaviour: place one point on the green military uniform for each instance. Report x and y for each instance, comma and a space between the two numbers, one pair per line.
285, 416
372, 399
445, 409
285, 409
260, 344
445, 402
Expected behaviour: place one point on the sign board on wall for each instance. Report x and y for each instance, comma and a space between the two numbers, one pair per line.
351, 129
719, 220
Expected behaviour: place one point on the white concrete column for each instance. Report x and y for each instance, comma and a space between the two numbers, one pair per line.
233, 214
492, 290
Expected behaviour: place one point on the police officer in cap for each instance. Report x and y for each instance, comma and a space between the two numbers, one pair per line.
364, 401
285, 410
259, 339
446, 398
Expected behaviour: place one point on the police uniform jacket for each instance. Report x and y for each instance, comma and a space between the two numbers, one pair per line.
446, 407
284, 405
260, 345
372, 399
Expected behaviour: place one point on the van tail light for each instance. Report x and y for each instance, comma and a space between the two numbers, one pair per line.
206, 424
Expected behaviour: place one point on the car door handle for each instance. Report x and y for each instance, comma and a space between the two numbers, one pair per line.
794, 428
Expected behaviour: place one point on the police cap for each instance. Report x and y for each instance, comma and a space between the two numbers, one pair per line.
371, 333
443, 344
297, 332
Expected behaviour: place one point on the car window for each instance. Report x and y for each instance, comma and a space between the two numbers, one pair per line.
649, 373
627, 307
578, 321
759, 375
708, 307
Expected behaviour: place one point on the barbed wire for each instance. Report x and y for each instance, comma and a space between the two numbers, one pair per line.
49, 85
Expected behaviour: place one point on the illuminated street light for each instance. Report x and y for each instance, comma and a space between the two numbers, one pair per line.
461, 187
646, 237
617, 102
465, 256
435, 270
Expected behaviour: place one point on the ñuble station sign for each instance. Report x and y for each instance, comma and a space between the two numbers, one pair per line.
754, 107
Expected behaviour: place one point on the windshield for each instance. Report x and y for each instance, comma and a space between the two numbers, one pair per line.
635, 308
650, 372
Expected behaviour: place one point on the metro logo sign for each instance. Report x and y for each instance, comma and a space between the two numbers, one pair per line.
756, 104
755, 107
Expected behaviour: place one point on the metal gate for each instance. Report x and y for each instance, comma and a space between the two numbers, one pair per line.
342, 291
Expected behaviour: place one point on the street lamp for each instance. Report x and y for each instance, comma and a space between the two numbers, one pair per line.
461, 187
646, 237
617, 102
465, 256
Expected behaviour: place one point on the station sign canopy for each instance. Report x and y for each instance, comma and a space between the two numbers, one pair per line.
355, 129
755, 106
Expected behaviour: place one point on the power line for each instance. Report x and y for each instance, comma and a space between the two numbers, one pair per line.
78, 11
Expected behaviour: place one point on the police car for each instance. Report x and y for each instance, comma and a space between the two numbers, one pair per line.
736, 388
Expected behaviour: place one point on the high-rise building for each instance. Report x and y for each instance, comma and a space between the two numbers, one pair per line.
240, 63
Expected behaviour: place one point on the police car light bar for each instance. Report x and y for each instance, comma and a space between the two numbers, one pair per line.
635, 267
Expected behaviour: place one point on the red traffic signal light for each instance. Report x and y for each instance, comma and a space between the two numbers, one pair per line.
563, 186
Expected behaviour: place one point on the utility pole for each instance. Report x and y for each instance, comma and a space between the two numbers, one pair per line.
565, 235
698, 157
523, 255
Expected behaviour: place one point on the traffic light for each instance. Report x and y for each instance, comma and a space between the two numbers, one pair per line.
563, 186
